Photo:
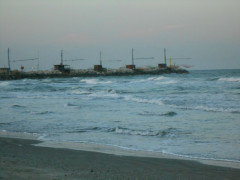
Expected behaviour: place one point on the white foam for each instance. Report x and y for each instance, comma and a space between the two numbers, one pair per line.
159, 78
89, 81
95, 81
101, 94
150, 79
42, 137
135, 132
155, 78
139, 100
168, 82
231, 79
21, 135
4, 83
205, 160
209, 109
79, 92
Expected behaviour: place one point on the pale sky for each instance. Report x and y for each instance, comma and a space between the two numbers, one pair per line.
208, 31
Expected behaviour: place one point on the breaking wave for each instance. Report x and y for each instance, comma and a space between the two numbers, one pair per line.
159, 80
168, 82
87, 129
198, 157
156, 78
4, 83
94, 81
231, 79
105, 94
79, 92
139, 100
209, 109
170, 132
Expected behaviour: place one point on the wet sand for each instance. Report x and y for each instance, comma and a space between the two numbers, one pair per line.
20, 159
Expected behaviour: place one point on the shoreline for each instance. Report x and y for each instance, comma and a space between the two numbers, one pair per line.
116, 150
121, 151
21, 159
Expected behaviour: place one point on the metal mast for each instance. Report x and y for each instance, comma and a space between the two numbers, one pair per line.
100, 58
132, 57
165, 57
61, 57
38, 62
9, 58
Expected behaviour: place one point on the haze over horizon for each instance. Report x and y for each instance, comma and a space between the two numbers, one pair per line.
206, 31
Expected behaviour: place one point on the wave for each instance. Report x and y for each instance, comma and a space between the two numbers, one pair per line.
46, 88
169, 113
6, 97
168, 82
117, 94
161, 78
215, 109
79, 92
94, 81
17, 106
110, 93
71, 105
43, 137
209, 109
157, 78
213, 79
4, 83
139, 100
231, 79
198, 157
47, 80
38, 113
35, 97
105, 94
5, 123
170, 132
44, 112
87, 129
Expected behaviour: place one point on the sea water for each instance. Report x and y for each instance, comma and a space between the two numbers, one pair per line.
194, 115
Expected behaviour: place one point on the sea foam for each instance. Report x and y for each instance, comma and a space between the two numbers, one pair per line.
231, 79
141, 100
95, 81
4, 83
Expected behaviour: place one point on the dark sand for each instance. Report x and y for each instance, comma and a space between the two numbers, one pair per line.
19, 159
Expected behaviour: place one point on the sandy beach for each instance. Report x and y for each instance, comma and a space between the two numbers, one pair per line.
20, 159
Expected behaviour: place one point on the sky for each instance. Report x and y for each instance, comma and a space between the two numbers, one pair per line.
206, 31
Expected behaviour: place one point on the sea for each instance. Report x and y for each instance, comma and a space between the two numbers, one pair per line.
190, 115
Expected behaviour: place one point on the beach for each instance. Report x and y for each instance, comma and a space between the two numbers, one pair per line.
21, 159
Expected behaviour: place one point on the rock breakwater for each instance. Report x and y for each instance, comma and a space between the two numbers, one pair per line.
12, 75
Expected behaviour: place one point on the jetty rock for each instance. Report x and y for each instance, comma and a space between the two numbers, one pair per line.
15, 74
